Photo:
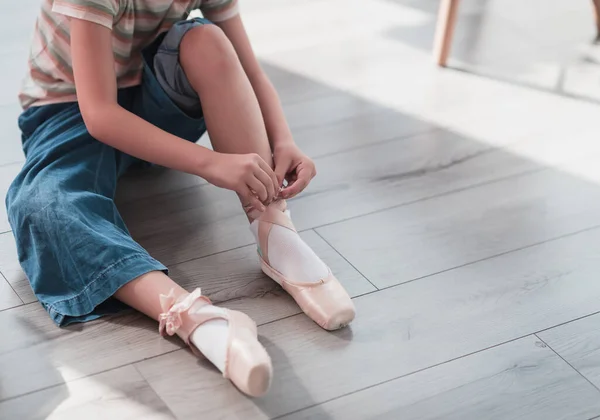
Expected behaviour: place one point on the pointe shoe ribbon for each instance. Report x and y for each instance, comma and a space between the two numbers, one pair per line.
170, 320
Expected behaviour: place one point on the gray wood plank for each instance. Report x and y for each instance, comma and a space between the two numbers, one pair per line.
335, 107
430, 236
235, 277
8, 298
143, 181
316, 141
10, 268
399, 331
7, 174
202, 220
364, 130
35, 354
140, 183
120, 394
578, 343
65, 354
292, 87
522, 379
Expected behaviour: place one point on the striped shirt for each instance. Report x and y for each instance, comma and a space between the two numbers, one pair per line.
134, 24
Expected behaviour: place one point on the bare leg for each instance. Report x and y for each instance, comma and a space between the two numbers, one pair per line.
210, 337
143, 293
231, 110
236, 125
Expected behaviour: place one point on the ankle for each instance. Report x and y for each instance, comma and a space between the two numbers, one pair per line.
254, 214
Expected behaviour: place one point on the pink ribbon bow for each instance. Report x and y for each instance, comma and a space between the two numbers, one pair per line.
170, 319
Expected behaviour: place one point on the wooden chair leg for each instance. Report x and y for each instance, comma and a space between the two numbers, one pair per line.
445, 30
596, 4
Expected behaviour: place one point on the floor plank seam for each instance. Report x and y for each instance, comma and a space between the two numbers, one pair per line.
216, 253
567, 362
19, 306
10, 163
481, 184
387, 287
330, 93
566, 235
12, 307
123, 201
405, 375
434, 196
429, 130
443, 194
157, 395
345, 259
534, 334
87, 376
524, 85
123, 365
331, 399
11, 286
315, 157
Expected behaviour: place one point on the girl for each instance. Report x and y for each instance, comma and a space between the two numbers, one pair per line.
115, 82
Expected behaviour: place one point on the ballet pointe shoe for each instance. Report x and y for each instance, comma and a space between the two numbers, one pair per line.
247, 363
326, 302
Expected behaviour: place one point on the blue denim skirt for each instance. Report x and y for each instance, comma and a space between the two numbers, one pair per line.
72, 243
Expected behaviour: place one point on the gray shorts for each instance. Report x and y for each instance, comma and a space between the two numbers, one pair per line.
168, 70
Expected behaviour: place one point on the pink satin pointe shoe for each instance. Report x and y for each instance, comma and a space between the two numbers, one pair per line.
247, 363
325, 302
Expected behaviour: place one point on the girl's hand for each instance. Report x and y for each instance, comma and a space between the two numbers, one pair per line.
248, 175
293, 166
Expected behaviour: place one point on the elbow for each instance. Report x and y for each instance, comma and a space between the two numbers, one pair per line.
97, 121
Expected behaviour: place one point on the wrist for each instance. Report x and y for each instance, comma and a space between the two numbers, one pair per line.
282, 142
203, 160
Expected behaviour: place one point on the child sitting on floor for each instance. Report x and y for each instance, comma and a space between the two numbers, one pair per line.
115, 82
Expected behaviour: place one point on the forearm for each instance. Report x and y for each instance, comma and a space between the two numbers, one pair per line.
272, 111
119, 128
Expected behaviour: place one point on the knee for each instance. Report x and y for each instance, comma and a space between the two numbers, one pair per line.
207, 49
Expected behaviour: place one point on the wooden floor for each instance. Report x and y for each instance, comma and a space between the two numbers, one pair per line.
460, 208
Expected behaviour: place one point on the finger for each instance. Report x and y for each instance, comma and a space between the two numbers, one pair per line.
296, 187
276, 183
267, 182
258, 187
250, 198
281, 170
269, 171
